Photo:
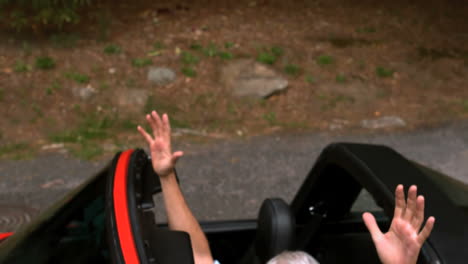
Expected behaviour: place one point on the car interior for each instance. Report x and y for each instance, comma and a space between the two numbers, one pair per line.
110, 219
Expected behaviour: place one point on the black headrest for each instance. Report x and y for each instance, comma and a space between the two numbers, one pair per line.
275, 230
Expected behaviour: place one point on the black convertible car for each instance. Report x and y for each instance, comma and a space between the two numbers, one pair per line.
110, 218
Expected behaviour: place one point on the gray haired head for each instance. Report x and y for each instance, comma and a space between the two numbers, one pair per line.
293, 257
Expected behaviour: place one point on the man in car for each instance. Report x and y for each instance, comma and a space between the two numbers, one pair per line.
400, 245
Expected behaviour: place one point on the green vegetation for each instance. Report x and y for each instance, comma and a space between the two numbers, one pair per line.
64, 40
13, 149
112, 49
87, 151
310, 79
37, 110
384, 72
158, 45
270, 117
464, 104
270, 56
325, 60
141, 62
277, 51
229, 45
45, 63
292, 69
211, 50
189, 71
340, 78
77, 77
366, 30
21, 66
92, 127
53, 87
21, 15
226, 55
266, 58
196, 46
189, 58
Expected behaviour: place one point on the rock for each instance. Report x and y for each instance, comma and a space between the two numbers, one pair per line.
55, 146
338, 124
84, 93
54, 183
383, 122
132, 100
112, 70
161, 75
245, 77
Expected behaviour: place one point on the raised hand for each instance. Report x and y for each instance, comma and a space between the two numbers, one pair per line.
403, 241
160, 144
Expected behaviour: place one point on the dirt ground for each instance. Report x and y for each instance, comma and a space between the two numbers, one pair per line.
352, 61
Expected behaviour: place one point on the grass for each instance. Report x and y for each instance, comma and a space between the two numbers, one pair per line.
270, 56
37, 110
277, 51
310, 79
87, 151
196, 46
103, 85
45, 63
366, 30
91, 128
21, 66
14, 149
158, 45
189, 58
189, 72
226, 55
323, 60
266, 57
53, 87
292, 69
270, 117
229, 45
211, 50
464, 104
77, 77
112, 49
340, 78
141, 62
383, 72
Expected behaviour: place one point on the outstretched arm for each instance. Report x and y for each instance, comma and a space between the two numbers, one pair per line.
179, 215
403, 241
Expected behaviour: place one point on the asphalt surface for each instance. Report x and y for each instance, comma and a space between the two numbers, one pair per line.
230, 179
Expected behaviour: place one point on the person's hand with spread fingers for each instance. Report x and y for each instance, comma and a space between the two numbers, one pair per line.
160, 144
403, 241
179, 215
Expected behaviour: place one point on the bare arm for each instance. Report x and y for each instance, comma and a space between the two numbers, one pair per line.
178, 213
403, 241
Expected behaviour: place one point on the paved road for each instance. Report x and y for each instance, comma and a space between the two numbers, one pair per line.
230, 179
